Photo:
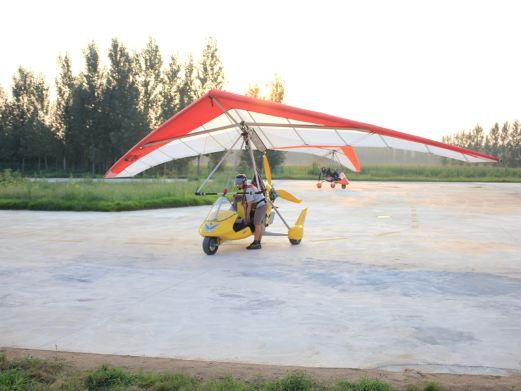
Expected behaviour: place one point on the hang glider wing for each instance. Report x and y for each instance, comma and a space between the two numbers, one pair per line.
216, 121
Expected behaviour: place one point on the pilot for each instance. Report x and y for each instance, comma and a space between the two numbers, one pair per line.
255, 201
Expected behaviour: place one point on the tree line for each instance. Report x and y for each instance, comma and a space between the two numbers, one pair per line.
503, 142
101, 112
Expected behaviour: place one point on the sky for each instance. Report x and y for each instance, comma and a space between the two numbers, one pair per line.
430, 68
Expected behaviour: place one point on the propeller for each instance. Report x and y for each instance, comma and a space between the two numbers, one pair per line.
285, 195
288, 196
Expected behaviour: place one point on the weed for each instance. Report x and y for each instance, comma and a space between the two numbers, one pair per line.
105, 378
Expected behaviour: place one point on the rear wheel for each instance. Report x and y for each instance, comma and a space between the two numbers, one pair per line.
344, 186
333, 184
210, 245
295, 241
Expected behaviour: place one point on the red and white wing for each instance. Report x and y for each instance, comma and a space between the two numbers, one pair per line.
213, 123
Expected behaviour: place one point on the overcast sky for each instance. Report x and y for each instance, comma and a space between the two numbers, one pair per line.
429, 68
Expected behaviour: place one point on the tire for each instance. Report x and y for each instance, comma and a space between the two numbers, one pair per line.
295, 241
333, 185
319, 185
210, 245
344, 186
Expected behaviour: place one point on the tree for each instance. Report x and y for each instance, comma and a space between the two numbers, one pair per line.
63, 110
170, 87
210, 74
504, 143
253, 91
276, 93
123, 121
515, 144
87, 142
4, 138
187, 90
493, 136
27, 119
148, 65
476, 138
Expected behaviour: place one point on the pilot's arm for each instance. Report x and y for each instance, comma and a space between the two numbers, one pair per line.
247, 212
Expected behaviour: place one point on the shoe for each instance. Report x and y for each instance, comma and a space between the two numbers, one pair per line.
254, 246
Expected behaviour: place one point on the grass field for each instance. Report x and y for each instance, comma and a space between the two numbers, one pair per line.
19, 193
36, 374
95, 195
448, 173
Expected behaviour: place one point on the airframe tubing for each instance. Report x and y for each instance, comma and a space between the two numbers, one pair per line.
218, 164
246, 134
247, 129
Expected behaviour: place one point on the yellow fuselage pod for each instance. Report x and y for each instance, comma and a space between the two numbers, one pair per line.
222, 227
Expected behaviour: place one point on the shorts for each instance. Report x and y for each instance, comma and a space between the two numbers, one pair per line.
260, 214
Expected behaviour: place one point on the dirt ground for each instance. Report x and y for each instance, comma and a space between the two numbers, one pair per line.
212, 369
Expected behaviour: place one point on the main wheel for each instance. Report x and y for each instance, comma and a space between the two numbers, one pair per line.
333, 185
344, 186
295, 241
319, 185
210, 245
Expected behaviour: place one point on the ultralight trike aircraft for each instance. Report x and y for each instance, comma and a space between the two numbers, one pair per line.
222, 121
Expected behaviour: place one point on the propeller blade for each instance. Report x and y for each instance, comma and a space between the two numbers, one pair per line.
267, 169
288, 196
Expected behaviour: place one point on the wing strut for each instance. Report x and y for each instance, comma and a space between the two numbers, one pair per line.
198, 192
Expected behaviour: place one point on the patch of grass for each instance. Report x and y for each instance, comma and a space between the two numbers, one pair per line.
107, 378
28, 373
165, 381
35, 374
440, 173
89, 195
293, 382
363, 385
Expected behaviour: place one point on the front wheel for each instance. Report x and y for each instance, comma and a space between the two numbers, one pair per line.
295, 241
210, 245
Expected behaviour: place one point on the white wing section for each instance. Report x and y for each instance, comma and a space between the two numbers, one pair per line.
332, 153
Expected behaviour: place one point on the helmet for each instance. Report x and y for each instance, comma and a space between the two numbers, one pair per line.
240, 180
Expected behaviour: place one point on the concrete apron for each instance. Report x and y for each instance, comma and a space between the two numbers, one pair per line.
390, 275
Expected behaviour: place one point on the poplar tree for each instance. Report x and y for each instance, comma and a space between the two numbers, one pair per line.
253, 91
86, 139
123, 121
276, 93
27, 117
515, 144
63, 110
187, 90
210, 74
504, 142
4, 139
493, 136
149, 77
170, 86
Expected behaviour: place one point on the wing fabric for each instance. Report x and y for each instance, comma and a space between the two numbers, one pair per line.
213, 123
345, 155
